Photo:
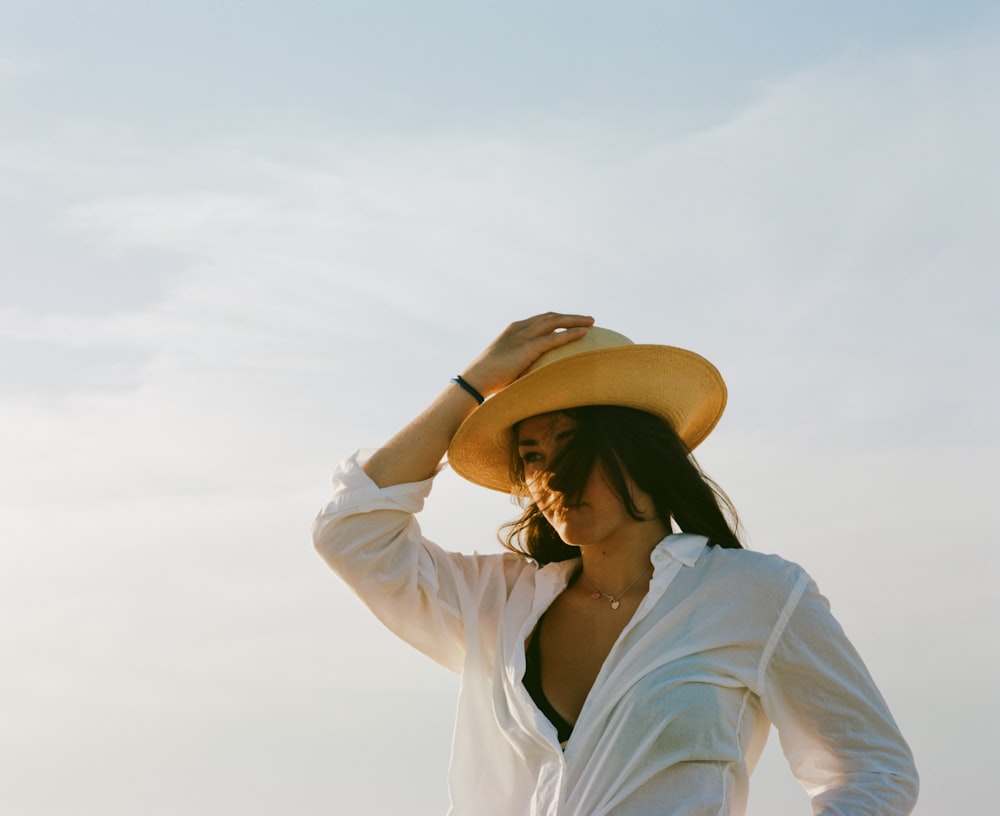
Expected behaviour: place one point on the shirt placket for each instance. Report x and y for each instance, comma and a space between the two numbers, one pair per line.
535, 727
606, 687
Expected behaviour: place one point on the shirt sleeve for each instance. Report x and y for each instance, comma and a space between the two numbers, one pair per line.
368, 535
835, 729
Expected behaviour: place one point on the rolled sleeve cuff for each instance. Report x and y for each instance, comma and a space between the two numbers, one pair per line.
354, 489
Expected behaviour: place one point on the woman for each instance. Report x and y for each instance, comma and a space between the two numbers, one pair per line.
629, 656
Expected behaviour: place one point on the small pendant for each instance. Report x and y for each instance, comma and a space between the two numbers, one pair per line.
595, 595
615, 603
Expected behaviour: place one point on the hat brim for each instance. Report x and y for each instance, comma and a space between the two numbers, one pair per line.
677, 385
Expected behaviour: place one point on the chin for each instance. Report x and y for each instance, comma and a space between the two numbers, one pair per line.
573, 540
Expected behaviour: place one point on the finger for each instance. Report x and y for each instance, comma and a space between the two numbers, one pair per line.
551, 321
556, 339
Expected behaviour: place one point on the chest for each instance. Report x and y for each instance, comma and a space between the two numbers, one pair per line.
575, 639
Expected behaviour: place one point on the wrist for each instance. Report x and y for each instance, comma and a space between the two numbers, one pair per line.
468, 388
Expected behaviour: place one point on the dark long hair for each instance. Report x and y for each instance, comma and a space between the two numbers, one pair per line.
626, 444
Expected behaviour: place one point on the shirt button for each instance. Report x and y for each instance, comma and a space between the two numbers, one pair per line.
659, 556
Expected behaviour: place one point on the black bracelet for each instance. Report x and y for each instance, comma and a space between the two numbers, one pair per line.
468, 389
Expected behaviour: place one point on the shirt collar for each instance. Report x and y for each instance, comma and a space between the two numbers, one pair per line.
559, 572
683, 547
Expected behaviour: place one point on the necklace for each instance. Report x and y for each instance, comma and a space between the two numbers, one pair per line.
616, 602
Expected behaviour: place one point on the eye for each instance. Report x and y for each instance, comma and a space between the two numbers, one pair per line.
531, 457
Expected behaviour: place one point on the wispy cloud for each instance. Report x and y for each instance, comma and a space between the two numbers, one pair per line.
838, 229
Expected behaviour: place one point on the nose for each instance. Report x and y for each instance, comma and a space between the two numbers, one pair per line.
545, 489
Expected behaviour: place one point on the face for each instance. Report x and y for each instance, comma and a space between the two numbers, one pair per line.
600, 516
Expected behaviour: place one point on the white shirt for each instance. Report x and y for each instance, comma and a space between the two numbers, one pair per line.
725, 642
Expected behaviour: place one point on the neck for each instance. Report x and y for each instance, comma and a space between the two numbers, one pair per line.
612, 568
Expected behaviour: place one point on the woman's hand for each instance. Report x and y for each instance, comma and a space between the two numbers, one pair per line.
519, 345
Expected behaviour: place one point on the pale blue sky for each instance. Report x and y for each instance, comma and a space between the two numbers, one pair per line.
240, 240
185, 70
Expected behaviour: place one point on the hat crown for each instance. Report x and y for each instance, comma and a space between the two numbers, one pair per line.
595, 339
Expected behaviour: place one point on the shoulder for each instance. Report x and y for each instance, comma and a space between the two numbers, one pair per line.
504, 570
763, 573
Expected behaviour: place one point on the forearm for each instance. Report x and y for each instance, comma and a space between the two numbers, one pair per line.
414, 453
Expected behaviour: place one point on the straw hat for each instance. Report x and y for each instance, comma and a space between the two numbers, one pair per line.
602, 368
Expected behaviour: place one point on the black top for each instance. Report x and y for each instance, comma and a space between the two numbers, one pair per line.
533, 685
